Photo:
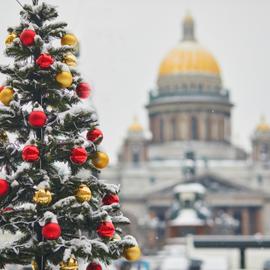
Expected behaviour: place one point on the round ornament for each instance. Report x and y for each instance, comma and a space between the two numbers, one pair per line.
70, 59
78, 155
110, 199
132, 253
27, 37
94, 266
6, 96
51, 231
83, 194
3, 136
7, 209
37, 119
42, 197
45, 61
30, 153
106, 229
70, 264
69, 39
83, 90
64, 78
4, 188
95, 135
10, 38
1, 87
100, 160
34, 265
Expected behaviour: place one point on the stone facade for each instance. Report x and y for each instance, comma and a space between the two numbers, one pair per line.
190, 122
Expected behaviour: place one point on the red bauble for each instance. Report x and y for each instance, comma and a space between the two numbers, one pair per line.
45, 60
83, 90
7, 209
106, 229
30, 153
51, 231
94, 266
110, 199
37, 119
95, 135
27, 37
4, 187
1, 88
78, 155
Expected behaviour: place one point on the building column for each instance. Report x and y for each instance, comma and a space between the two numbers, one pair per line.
227, 128
155, 128
221, 128
245, 221
184, 127
167, 128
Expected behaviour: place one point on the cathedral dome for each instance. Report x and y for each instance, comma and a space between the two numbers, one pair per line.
135, 127
189, 56
263, 126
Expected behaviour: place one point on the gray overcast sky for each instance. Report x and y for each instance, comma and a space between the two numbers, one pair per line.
123, 42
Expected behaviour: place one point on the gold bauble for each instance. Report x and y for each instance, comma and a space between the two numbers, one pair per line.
132, 253
71, 264
69, 39
100, 160
6, 95
42, 197
70, 59
64, 78
3, 136
116, 237
10, 38
83, 194
34, 265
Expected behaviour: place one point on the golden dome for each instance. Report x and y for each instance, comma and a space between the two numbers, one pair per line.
135, 126
263, 126
189, 56
188, 18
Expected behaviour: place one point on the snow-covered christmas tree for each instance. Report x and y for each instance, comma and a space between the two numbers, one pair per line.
50, 155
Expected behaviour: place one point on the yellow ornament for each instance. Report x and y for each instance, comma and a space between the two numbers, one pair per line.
69, 39
71, 264
10, 38
83, 194
132, 253
34, 265
116, 237
100, 160
64, 78
70, 59
3, 136
6, 95
42, 197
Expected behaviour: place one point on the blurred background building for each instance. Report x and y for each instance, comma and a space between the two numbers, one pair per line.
189, 178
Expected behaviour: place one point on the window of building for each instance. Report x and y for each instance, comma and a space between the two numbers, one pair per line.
185, 87
174, 129
135, 158
194, 128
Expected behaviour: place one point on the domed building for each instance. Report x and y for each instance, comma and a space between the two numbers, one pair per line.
190, 110
261, 143
189, 116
